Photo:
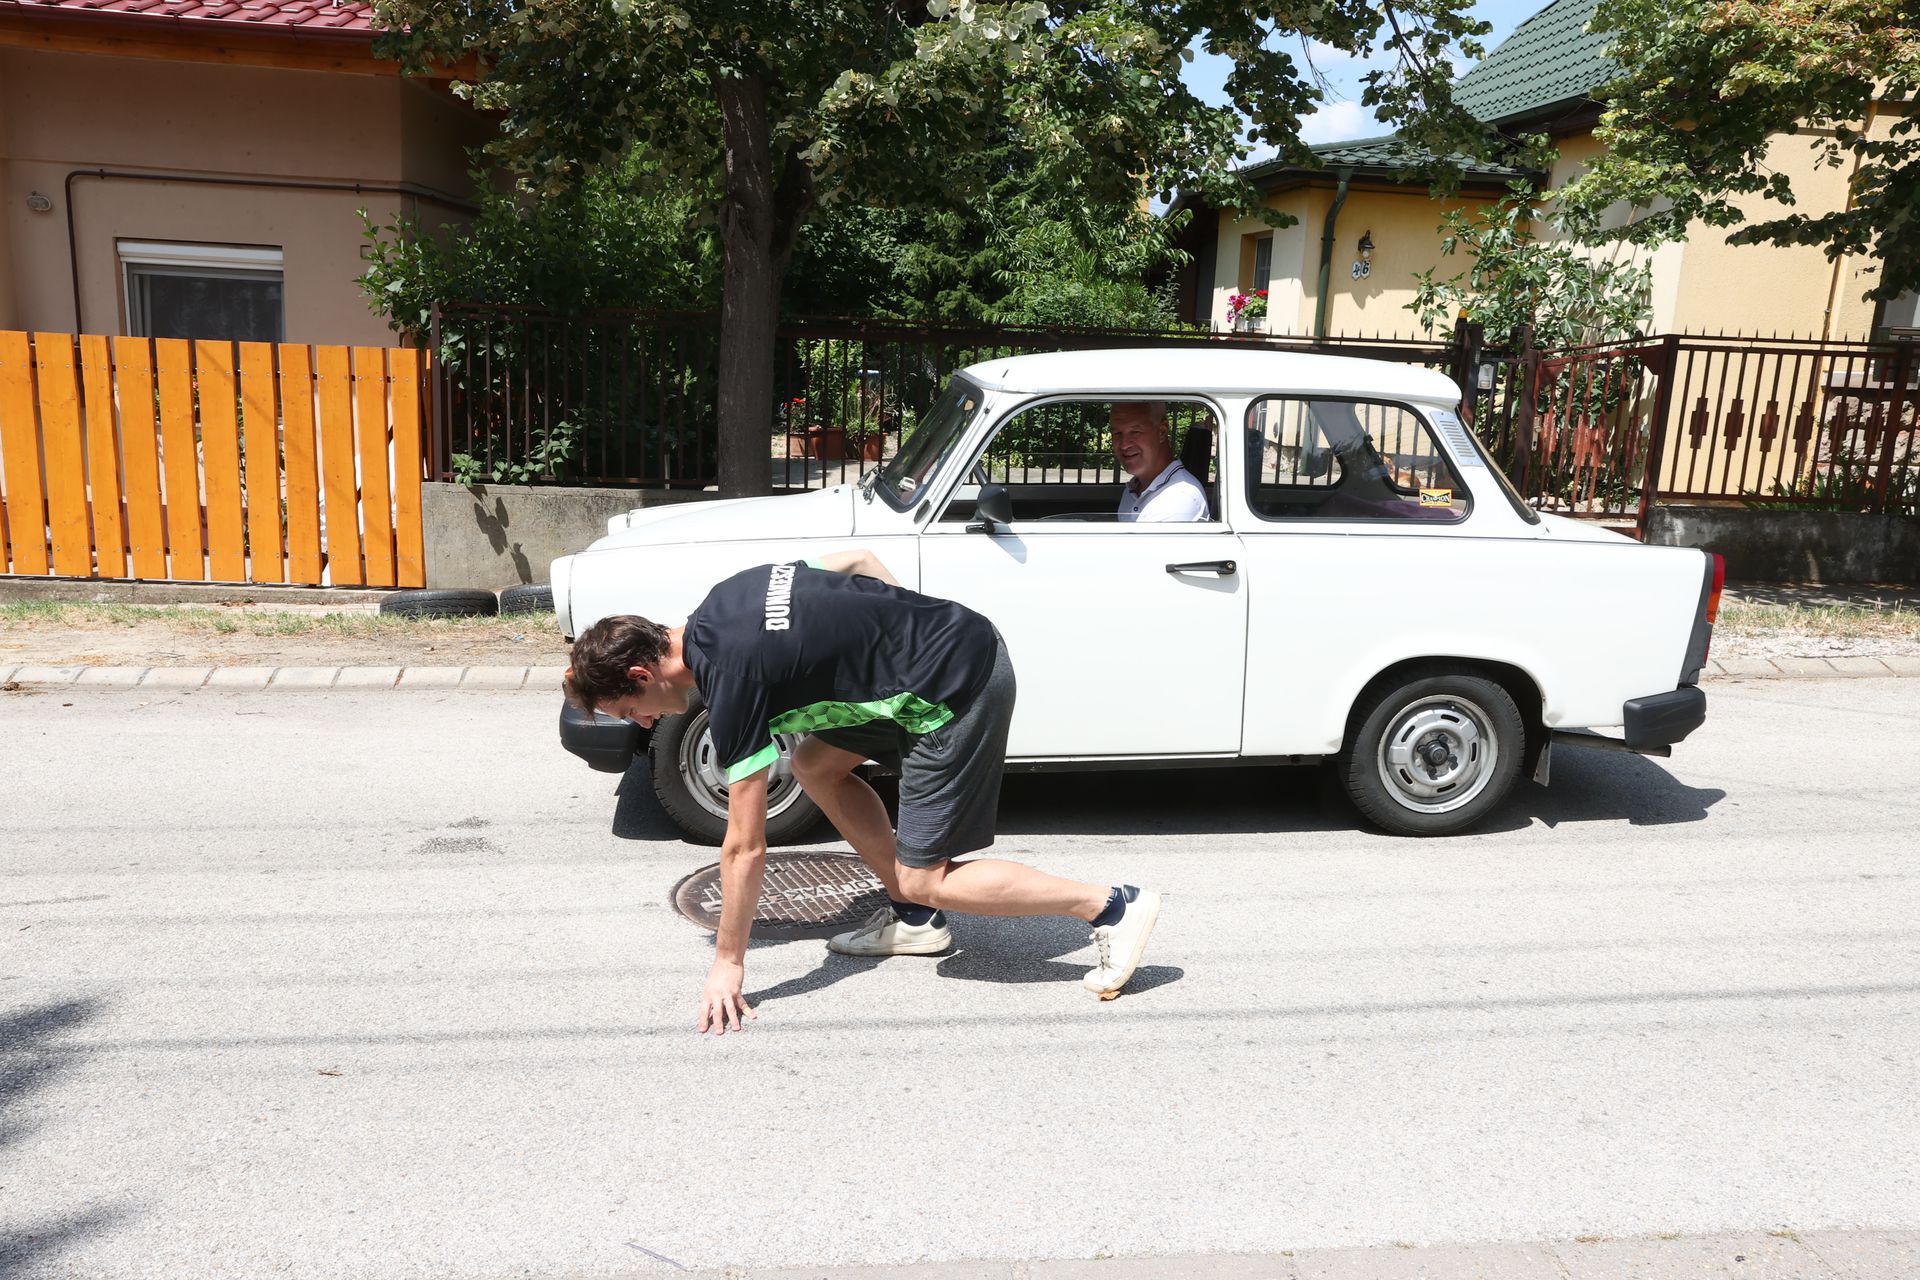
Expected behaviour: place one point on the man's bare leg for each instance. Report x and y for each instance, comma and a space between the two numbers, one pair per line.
826, 774
996, 887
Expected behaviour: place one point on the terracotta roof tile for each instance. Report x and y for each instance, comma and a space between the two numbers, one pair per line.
322, 15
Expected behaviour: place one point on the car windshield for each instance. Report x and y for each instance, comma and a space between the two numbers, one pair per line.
903, 481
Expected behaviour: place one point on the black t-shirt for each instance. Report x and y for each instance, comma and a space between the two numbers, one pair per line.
792, 648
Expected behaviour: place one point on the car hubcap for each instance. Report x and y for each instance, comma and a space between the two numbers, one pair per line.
706, 776
1439, 754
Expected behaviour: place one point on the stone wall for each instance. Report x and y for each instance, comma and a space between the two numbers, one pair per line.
497, 535
1795, 546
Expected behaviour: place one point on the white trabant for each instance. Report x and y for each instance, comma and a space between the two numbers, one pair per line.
1367, 592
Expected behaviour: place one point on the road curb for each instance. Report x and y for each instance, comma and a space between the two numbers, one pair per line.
438, 679
288, 679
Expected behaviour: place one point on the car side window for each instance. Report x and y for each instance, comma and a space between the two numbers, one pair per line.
1324, 458
1058, 460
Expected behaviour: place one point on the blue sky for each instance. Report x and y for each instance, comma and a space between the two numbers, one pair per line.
1342, 118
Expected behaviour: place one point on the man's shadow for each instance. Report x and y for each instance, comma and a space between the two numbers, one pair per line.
985, 949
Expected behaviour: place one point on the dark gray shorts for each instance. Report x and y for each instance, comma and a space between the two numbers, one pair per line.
950, 778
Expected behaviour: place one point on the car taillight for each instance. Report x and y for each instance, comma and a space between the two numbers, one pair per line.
1719, 582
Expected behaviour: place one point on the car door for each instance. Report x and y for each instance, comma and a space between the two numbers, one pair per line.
1127, 639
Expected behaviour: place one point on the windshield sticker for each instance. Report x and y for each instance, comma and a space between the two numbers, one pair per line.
1457, 437
1436, 497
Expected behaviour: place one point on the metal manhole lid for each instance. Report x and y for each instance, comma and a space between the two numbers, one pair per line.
804, 895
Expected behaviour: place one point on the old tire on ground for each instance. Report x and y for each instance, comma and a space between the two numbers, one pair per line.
1432, 752
530, 597
441, 603
690, 781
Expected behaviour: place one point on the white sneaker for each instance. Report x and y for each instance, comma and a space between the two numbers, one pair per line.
1117, 947
886, 934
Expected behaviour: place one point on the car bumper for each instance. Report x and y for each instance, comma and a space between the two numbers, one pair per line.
1662, 719
604, 742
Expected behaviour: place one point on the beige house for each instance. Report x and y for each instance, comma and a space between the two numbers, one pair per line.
1539, 80
171, 168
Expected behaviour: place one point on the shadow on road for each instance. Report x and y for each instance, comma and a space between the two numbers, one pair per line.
28, 1065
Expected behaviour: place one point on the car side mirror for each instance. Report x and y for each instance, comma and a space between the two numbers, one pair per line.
992, 509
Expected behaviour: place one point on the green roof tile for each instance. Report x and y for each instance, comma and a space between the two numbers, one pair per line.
1551, 58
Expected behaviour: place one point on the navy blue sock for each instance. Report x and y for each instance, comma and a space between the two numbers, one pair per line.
913, 912
1116, 905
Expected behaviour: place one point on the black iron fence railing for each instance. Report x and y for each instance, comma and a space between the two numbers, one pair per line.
630, 397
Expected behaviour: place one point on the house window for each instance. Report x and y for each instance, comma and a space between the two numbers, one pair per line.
203, 291
1901, 314
1262, 263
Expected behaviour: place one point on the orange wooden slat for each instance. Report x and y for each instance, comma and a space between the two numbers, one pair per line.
376, 488
342, 513
20, 457
140, 456
408, 467
179, 458
260, 425
220, 461
303, 476
103, 457
64, 455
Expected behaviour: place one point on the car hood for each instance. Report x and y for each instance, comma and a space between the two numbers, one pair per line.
824, 513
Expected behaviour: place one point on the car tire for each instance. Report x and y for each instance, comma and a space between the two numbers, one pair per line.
441, 603
1431, 753
687, 778
531, 597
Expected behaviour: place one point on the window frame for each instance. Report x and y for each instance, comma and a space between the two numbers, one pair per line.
1460, 486
1217, 520
207, 261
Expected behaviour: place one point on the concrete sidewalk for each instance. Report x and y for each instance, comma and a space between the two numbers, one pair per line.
245, 679
1759, 1255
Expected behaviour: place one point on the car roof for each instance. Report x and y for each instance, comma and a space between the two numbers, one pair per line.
1139, 371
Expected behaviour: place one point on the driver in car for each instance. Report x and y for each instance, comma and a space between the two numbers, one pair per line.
1162, 489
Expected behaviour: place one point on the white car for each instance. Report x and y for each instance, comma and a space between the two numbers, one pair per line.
1370, 592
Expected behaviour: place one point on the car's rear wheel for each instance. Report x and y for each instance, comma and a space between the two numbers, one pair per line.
691, 782
1432, 753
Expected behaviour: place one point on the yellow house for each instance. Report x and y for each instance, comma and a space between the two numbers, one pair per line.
1539, 80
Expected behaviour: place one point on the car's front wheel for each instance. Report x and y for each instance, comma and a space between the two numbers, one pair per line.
691, 782
1432, 753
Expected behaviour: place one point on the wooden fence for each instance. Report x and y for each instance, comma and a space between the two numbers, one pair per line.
168, 459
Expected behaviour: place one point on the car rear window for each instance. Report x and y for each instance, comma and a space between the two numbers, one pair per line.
1326, 458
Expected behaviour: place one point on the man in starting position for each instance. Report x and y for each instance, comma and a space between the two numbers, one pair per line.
836, 649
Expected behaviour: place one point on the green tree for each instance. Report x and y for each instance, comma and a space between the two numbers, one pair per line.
1568, 294
789, 105
1707, 85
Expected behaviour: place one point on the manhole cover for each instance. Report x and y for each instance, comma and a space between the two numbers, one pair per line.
805, 895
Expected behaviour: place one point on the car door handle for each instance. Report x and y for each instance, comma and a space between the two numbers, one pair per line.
1225, 568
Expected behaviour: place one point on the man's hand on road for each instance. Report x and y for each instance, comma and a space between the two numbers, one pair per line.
721, 1004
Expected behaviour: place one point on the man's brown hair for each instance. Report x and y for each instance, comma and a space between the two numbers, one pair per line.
604, 652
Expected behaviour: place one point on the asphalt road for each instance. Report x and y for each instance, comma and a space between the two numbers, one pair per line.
387, 985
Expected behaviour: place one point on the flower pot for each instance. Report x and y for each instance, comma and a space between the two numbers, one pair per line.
797, 443
873, 447
829, 443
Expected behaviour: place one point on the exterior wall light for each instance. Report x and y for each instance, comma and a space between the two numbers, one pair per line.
1366, 246
39, 203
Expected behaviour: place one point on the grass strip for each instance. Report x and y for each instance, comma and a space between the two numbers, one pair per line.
197, 620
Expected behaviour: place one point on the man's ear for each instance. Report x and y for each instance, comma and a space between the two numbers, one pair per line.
640, 676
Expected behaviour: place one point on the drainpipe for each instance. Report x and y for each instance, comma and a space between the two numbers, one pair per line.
1326, 255
412, 189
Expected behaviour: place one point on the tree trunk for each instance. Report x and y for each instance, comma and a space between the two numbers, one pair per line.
760, 219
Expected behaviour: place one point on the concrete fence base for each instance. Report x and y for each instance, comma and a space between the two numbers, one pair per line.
1795, 546
497, 535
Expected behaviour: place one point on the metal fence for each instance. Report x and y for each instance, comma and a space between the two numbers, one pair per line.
1690, 418
630, 398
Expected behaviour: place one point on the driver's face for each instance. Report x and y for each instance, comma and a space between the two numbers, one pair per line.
1140, 441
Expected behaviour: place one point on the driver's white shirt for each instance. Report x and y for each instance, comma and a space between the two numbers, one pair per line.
1175, 495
